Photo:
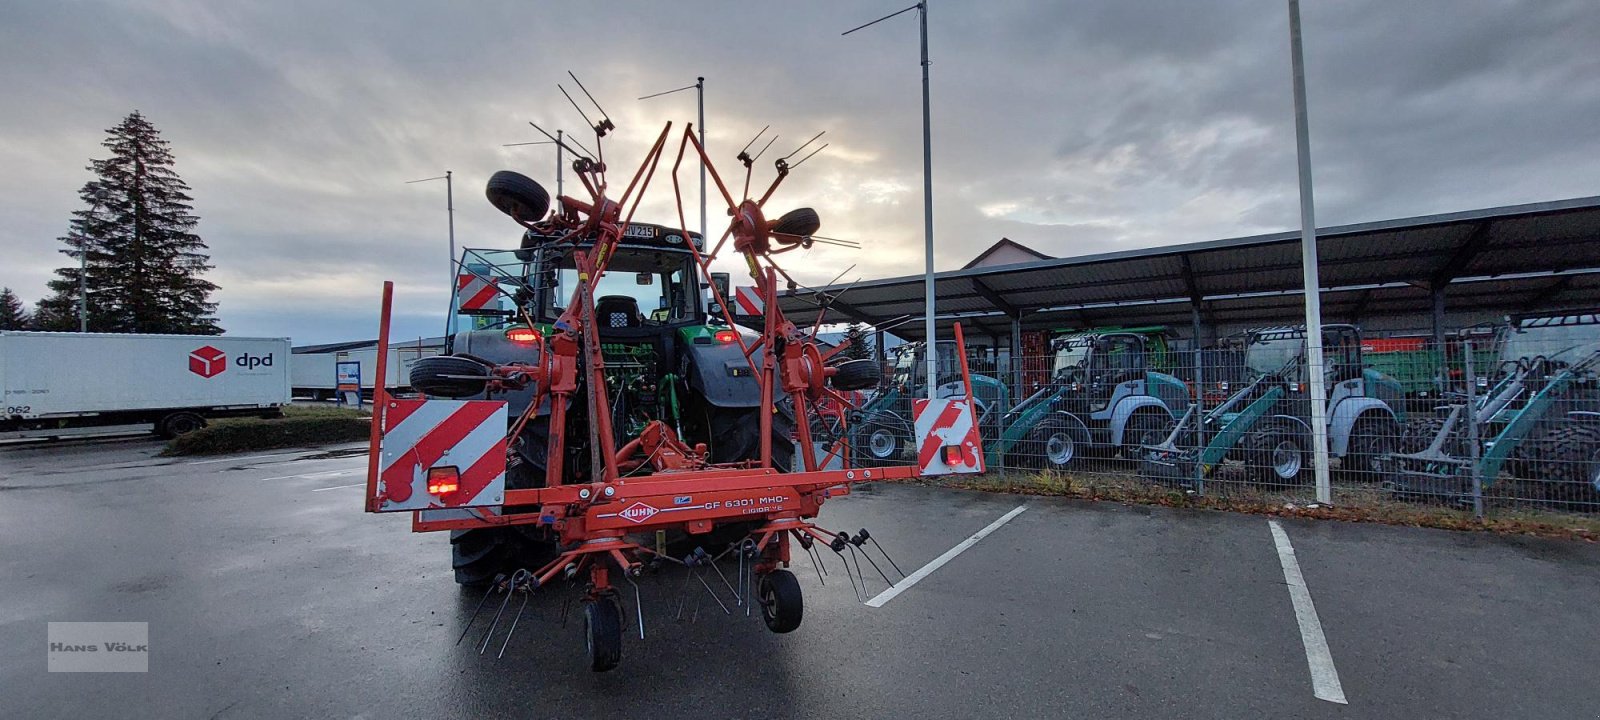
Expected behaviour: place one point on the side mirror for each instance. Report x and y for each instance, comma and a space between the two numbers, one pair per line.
723, 281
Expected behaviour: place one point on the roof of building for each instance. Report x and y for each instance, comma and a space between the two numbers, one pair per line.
999, 252
1512, 259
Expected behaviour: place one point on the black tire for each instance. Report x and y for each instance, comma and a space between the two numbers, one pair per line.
736, 435
518, 196
449, 376
1276, 453
602, 632
179, 423
799, 222
878, 443
1569, 460
1053, 445
782, 603
1144, 428
477, 556
1372, 440
857, 375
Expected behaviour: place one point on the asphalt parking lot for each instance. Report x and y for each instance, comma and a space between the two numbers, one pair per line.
269, 593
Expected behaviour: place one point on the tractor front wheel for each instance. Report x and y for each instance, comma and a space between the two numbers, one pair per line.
1054, 446
1276, 454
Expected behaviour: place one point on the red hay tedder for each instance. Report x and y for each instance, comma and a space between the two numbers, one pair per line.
585, 440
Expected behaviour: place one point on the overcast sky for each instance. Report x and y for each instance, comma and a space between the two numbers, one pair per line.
1072, 127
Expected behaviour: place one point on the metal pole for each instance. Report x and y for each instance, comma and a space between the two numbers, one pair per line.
927, 209
700, 89
1308, 263
450, 211
1473, 435
559, 191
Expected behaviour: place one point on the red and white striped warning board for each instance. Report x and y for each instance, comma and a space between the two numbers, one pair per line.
747, 301
475, 292
442, 454
947, 437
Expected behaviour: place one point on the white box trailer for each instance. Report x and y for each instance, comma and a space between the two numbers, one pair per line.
58, 380
312, 374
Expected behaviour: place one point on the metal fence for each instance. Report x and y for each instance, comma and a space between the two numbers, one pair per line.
1489, 422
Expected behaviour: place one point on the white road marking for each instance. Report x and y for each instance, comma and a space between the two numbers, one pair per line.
325, 473
243, 459
938, 562
1324, 676
340, 487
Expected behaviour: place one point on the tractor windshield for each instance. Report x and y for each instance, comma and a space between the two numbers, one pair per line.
640, 286
1072, 356
1272, 352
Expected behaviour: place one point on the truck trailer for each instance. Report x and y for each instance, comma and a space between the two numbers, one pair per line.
175, 382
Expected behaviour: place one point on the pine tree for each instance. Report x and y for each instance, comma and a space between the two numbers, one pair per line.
145, 262
12, 315
860, 347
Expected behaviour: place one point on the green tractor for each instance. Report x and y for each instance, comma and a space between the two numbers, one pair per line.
1265, 426
1535, 417
1109, 390
881, 430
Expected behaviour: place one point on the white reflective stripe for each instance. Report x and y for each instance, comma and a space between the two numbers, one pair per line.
468, 450
399, 440
492, 493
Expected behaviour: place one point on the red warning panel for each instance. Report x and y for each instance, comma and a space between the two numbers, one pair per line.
442, 454
947, 437
475, 293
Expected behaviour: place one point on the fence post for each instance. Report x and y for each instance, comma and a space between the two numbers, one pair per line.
1470, 375
1200, 412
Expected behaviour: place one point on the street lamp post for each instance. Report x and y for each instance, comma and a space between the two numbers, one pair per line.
699, 87
1308, 265
927, 194
450, 210
559, 147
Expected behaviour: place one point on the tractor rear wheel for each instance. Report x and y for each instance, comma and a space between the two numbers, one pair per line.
602, 632
782, 604
1569, 460
1372, 440
1144, 428
1276, 453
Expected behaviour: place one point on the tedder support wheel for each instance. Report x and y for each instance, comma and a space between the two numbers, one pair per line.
782, 605
449, 376
799, 222
602, 628
518, 196
857, 375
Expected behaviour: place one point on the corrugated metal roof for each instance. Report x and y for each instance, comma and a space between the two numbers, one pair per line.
1510, 259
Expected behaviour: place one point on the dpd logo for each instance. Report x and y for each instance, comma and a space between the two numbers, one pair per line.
207, 362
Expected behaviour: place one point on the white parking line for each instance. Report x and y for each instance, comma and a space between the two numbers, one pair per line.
340, 487
938, 562
1324, 676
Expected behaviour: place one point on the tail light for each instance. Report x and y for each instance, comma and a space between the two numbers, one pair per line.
524, 336
726, 336
443, 480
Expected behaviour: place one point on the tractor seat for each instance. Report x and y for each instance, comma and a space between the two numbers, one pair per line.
618, 311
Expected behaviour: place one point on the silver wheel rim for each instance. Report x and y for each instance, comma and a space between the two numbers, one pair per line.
1286, 459
1059, 449
881, 443
1594, 470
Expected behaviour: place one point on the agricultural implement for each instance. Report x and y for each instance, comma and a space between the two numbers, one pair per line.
1539, 420
1106, 392
1264, 425
572, 437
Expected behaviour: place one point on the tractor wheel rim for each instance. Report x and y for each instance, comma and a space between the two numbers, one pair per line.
1059, 449
881, 443
1286, 459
